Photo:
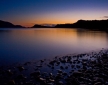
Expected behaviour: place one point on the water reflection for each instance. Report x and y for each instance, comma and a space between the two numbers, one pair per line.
34, 44
95, 36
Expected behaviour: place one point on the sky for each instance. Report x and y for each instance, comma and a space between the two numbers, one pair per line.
30, 12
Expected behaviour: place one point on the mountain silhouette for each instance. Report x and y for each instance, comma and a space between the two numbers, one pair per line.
88, 24
39, 26
19, 26
5, 24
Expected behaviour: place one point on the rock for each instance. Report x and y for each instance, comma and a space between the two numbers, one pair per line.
42, 61
56, 57
74, 62
106, 83
76, 74
29, 83
70, 62
52, 67
45, 73
78, 62
72, 66
66, 67
37, 73
42, 79
21, 68
27, 63
84, 63
49, 65
62, 60
65, 74
58, 77
51, 80
49, 84
77, 66
11, 82
21, 76
69, 59
61, 67
60, 71
58, 62
36, 69
98, 83
9, 72
50, 74
39, 66
60, 83
52, 62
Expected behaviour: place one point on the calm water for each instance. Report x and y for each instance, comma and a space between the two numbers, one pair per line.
21, 45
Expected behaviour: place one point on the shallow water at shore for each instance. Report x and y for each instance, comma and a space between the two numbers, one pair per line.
65, 70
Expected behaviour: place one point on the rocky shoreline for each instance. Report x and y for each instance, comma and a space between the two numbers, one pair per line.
82, 69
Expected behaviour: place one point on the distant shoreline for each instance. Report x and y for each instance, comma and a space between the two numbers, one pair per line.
101, 25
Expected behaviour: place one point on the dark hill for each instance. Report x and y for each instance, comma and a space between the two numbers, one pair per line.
39, 26
88, 24
19, 26
5, 24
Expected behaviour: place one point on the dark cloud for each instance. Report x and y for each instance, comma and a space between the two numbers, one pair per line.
105, 16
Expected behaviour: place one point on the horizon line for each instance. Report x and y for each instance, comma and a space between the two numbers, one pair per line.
48, 24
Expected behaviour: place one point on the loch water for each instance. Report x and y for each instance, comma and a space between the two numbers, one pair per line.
22, 45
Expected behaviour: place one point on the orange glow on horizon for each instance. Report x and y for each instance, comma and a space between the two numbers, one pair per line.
42, 22
61, 17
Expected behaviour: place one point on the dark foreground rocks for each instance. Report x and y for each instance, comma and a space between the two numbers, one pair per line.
81, 69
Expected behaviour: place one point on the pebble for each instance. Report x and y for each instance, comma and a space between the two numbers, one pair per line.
11, 82
21, 68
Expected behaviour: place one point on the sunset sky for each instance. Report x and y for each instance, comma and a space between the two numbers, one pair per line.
30, 12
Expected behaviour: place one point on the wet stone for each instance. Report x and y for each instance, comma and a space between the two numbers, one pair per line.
29, 83
49, 84
72, 66
60, 71
61, 67
21, 68
58, 62
76, 74
65, 74
51, 80
98, 83
60, 83
52, 67
50, 74
42, 79
66, 67
36, 73
42, 61
11, 82
21, 76
39, 66
9, 72
27, 63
